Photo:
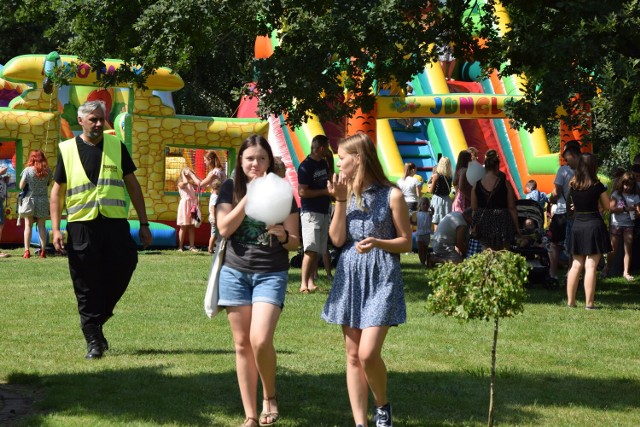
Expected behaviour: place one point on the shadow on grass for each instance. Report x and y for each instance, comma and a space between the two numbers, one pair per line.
154, 351
149, 394
614, 294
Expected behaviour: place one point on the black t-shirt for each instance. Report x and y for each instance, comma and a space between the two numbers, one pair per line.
587, 201
250, 248
314, 174
91, 158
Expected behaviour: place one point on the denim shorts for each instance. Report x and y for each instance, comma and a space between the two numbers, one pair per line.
239, 288
620, 230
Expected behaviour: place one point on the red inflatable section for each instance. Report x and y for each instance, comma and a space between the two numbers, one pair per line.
480, 133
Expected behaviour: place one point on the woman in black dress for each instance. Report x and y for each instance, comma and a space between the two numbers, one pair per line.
495, 219
589, 237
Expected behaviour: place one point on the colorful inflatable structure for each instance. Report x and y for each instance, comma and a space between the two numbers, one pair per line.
439, 118
161, 143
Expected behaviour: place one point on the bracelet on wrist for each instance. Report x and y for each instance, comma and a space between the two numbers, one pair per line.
286, 238
341, 201
144, 224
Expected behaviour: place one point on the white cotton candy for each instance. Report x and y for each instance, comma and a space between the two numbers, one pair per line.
475, 172
269, 199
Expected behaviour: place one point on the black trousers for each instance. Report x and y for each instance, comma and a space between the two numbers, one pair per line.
102, 259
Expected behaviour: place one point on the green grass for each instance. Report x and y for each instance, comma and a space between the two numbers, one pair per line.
170, 365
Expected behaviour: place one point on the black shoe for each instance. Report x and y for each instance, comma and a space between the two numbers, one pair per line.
94, 350
382, 417
102, 339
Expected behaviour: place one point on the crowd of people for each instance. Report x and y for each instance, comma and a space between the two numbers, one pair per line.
352, 206
576, 218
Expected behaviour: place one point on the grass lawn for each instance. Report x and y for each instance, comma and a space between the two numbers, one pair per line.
170, 365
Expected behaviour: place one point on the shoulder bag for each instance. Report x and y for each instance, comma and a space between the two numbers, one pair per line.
26, 205
211, 296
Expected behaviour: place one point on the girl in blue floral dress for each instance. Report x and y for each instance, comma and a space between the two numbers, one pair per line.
371, 223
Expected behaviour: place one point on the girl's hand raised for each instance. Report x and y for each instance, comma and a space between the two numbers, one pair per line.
338, 188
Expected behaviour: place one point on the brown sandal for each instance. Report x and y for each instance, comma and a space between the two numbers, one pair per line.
269, 417
250, 422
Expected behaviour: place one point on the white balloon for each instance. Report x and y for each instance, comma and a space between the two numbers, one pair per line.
475, 172
269, 199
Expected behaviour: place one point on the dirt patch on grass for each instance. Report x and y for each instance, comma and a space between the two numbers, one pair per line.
16, 403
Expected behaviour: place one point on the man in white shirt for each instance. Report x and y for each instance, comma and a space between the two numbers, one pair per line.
452, 236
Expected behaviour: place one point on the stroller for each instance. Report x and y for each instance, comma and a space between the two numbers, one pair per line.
531, 246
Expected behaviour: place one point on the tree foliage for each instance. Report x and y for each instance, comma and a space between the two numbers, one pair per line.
327, 48
486, 286
575, 47
489, 285
22, 28
564, 47
197, 39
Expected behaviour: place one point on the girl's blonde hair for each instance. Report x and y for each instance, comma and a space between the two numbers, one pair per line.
181, 177
368, 169
443, 168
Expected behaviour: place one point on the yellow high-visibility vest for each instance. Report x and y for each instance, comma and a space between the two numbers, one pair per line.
84, 199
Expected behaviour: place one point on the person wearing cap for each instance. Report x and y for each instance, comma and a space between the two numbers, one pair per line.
559, 222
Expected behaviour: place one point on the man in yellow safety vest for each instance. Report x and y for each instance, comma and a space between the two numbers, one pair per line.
91, 175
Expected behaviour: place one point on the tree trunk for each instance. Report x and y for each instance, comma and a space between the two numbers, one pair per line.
493, 371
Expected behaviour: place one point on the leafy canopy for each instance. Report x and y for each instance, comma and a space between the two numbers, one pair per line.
327, 48
489, 285
564, 47
571, 47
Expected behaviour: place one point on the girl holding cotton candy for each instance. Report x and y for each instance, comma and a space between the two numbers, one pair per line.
258, 216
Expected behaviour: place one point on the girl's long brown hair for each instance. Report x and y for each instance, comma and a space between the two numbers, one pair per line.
408, 167
586, 172
464, 157
38, 161
213, 158
626, 178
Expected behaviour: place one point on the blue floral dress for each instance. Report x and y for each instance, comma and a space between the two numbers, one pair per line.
367, 288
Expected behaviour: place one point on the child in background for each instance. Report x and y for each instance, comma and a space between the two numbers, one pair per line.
215, 188
279, 167
535, 195
188, 183
532, 235
422, 218
624, 206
